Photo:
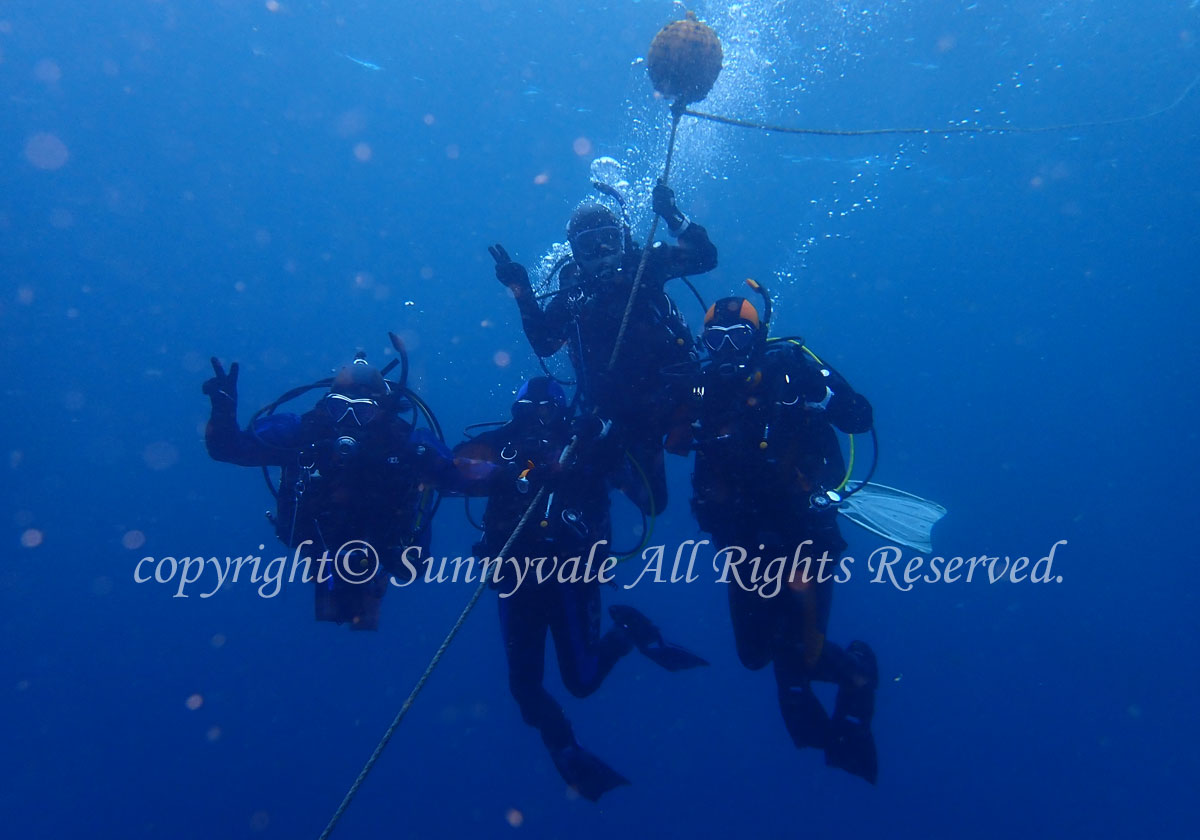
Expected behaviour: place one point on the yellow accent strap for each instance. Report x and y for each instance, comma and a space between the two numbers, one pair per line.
849, 465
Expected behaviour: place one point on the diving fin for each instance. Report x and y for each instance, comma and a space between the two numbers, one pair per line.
893, 514
672, 657
649, 641
851, 748
851, 745
585, 773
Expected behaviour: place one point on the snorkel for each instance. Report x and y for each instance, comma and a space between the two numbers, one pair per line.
766, 300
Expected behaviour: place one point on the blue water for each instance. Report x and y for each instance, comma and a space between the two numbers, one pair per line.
182, 180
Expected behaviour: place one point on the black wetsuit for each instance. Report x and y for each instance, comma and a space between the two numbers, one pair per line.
643, 392
569, 520
763, 449
372, 483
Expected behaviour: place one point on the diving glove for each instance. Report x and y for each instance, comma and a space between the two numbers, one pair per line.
222, 387
663, 203
511, 274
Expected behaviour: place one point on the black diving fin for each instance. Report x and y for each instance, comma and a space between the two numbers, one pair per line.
851, 745
586, 773
649, 641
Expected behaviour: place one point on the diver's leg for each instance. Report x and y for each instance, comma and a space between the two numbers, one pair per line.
753, 626
856, 692
585, 657
353, 604
523, 629
803, 715
573, 612
366, 603
326, 602
851, 744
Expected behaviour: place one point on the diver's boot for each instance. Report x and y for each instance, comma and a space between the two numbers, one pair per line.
851, 745
649, 641
584, 772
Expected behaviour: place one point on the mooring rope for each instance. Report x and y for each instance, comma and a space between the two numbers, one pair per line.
677, 112
952, 129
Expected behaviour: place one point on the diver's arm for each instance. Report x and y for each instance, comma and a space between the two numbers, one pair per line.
268, 443
434, 461
478, 464
695, 254
271, 441
597, 449
222, 437
845, 408
545, 328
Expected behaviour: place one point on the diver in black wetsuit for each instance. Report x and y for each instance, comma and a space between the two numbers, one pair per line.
767, 467
638, 393
510, 465
354, 469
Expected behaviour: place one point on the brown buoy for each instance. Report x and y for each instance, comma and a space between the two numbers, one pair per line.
684, 60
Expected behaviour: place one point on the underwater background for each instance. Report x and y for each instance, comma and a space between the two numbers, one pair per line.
280, 183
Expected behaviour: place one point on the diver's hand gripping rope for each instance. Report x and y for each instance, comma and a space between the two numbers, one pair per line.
437, 657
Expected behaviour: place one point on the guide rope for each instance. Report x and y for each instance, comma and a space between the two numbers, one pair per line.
677, 112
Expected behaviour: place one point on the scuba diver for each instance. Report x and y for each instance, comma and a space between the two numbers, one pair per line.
634, 390
768, 479
544, 448
357, 484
